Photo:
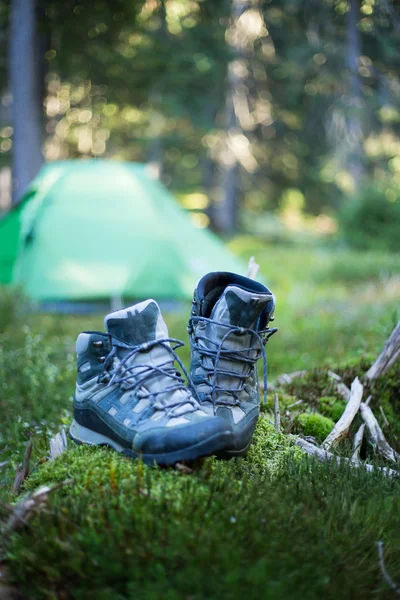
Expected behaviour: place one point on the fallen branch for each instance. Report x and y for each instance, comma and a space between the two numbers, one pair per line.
58, 444
23, 468
277, 413
287, 378
295, 404
340, 387
324, 455
387, 357
343, 425
377, 435
358, 440
385, 574
4, 464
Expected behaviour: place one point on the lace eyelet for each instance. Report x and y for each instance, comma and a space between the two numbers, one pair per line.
101, 359
98, 344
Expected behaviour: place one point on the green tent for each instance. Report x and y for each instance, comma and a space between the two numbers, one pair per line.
93, 230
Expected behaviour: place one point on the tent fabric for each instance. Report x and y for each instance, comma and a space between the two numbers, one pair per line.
91, 230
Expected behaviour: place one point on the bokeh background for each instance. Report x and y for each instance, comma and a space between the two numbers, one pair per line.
275, 124
262, 116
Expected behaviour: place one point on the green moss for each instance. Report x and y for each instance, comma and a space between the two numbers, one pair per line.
331, 407
123, 530
316, 425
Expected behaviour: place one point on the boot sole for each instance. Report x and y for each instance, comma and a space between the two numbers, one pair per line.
208, 447
227, 454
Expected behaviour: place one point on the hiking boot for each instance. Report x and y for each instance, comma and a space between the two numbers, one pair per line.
130, 395
228, 330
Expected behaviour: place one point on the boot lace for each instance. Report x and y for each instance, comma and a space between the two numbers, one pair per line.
239, 355
134, 377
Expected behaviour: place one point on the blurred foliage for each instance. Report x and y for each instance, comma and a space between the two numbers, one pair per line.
147, 80
372, 220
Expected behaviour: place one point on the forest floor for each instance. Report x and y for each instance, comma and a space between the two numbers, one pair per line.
275, 524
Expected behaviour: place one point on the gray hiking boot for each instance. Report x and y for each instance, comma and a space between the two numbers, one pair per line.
130, 395
228, 330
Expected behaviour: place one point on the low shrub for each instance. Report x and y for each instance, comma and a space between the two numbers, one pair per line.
371, 220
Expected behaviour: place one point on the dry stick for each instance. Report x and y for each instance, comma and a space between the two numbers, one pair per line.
323, 455
277, 413
387, 357
58, 444
295, 404
23, 469
384, 572
343, 425
358, 440
340, 387
287, 378
21, 512
377, 435
182, 468
252, 269
384, 416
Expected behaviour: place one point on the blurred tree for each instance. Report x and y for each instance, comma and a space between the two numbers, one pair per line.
355, 103
254, 104
26, 98
226, 192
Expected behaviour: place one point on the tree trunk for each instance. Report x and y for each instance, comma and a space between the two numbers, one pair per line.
156, 147
225, 210
356, 153
25, 88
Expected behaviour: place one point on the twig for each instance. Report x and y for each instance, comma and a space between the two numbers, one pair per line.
384, 416
277, 413
377, 435
340, 387
287, 378
253, 268
4, 464
58, 444
182, 468
385, 574
295, 404
23, 469
343, 425
387, 357
358, 440
323, 455
21, 512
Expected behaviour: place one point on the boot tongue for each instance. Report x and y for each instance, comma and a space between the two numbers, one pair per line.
239, 307
137, 324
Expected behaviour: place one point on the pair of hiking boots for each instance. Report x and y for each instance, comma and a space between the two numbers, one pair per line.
131, 396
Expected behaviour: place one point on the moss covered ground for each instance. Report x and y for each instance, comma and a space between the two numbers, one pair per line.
272, 525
